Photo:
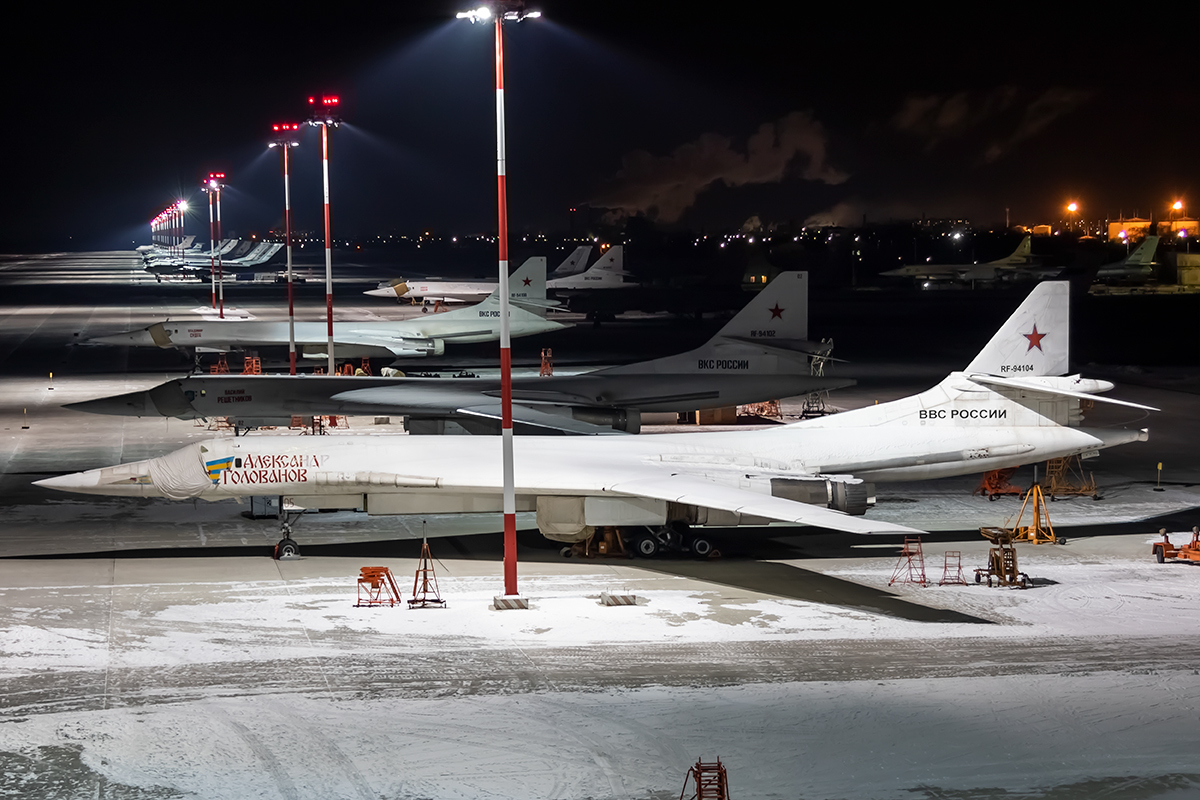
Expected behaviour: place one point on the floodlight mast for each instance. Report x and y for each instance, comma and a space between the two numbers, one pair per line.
216, 182
326, 117
283, 140
212, 247
501, 11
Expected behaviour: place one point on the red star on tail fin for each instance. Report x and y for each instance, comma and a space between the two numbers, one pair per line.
1035, 339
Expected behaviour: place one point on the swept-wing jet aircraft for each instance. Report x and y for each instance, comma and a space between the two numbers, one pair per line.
433, 290
1019, 263
1137, 266
761, 353
1012, 405
416, 337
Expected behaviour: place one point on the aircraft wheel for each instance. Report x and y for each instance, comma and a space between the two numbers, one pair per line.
701, 547
424, 309
286, 548
647, 546
565, 552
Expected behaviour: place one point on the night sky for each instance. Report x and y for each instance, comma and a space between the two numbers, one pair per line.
704, 119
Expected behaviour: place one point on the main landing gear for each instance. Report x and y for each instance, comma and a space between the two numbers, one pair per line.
286, 547
673, 539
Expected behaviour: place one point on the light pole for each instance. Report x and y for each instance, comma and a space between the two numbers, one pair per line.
326, 117
212, 246
1072, 208
216, 182
501, 11
284, 133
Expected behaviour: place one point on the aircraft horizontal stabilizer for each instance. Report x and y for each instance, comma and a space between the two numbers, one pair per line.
525, 415
802, 347
706, 494
1037, 388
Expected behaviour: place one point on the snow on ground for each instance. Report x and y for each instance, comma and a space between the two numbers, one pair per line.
961, 737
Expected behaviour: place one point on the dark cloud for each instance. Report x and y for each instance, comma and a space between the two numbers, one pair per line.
939, 118
666, 186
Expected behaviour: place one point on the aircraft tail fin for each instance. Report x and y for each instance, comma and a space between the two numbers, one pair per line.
526, 285
767, 337
1144, 255
779, 311
608, 271
574, 263
1035, 340
1020, 256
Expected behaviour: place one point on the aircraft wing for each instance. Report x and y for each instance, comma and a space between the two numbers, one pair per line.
678, 488
541, 418
1037, 388
398, 345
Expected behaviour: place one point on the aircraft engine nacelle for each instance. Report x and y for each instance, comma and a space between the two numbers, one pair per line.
848, 496
619, 419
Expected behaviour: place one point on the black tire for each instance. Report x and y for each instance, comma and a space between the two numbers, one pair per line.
1159, 556
287, 548
992, 497
647, 546
424, 309
978, 578
701, 547
566, 551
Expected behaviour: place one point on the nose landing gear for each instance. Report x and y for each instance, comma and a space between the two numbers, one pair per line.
287, 546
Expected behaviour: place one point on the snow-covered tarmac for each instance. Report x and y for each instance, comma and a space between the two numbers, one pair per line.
243, 677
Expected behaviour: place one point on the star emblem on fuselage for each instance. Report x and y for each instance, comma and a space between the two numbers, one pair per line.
528, 281
1035, 339
776, 312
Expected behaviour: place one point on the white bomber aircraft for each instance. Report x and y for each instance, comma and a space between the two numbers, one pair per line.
434, 290
415, 337
1012, 405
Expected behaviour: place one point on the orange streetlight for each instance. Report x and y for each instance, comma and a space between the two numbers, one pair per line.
1072, 209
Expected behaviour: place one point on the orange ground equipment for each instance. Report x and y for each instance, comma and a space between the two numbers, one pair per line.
996, 483
709, 782
1065, 478
251, 365
547, 369
910, 568
1164, 550
1039, 530
377, 587
221, 367
425, 588
1002, 560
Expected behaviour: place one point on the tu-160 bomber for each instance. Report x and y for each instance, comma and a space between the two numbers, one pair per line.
762, 353
436, 290
1012, 405
409, 338
1018, 264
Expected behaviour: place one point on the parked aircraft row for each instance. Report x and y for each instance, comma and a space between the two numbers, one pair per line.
416, 337
1012, 405
1021, 265
762, 353
572, 275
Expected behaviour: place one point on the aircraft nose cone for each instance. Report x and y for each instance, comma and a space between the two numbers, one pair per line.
73, 482
133, 404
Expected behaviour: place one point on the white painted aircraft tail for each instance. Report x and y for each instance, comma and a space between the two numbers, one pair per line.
1035, 341
768, 336
574, 263
526, 285
1144, 255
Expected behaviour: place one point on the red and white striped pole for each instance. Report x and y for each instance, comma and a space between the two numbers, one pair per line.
328, 247
506, 424
220, 266
212, 248
287, 238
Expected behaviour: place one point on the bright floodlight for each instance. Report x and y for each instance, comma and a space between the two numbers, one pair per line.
1072, 208
1177, 205
480, 14
183, 206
